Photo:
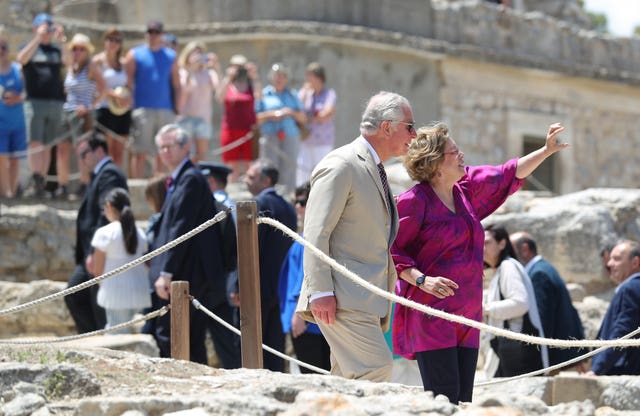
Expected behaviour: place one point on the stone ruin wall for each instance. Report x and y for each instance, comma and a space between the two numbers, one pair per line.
449, 58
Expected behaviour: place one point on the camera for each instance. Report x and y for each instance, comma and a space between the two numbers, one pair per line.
52, 28
242, 72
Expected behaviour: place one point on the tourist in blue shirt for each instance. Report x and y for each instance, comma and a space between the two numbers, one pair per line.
278, 112
13, 137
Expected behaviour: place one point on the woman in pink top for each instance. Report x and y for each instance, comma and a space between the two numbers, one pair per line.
198, 80
439, 253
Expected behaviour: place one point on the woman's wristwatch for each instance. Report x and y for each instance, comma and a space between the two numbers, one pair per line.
420, 280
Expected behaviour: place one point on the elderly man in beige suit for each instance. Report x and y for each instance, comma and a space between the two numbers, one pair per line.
351, 216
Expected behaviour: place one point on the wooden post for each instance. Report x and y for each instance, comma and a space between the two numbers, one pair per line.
180, 320
249, 279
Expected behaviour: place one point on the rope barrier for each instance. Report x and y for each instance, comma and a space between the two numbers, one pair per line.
554, 367
441, 314
218, 217
277, 353
238, 142
123, 325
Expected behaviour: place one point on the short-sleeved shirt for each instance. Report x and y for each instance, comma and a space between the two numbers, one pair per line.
273, 100
12, 116
319, 133
129, 289
43, 74
152, 87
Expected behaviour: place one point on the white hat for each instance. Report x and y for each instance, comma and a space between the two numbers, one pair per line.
239, 60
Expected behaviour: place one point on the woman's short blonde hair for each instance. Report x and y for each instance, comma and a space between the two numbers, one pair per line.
188, 49
426, 152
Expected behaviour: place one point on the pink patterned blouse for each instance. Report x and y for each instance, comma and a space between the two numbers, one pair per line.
441, 243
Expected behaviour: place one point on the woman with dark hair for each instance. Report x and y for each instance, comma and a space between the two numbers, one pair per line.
319, 103
238, 91
113, 115
115, 244
511, 304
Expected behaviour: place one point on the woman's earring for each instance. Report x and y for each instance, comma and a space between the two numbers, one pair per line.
439, 174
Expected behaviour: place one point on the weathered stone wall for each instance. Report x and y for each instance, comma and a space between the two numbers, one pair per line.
490, 109
493, 74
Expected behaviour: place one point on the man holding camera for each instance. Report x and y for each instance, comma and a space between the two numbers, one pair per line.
41, 62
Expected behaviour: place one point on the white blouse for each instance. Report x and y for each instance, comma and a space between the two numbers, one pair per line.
129, 289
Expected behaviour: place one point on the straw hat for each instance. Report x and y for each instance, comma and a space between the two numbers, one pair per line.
238, 59
116, 108
81, 40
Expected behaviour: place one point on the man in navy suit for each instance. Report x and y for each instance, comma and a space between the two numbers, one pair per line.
273, 245
105, 175
560, 319
188, 204
623, 315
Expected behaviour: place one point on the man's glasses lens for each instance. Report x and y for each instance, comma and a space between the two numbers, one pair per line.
302, 202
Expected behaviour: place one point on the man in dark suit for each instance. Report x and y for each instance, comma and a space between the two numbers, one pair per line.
105, 175
227, 344
198, 260
560, 319
273, 245
623, 315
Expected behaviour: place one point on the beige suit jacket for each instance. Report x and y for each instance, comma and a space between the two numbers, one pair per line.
349, 218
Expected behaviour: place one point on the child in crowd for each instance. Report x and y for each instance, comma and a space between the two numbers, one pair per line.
115, 244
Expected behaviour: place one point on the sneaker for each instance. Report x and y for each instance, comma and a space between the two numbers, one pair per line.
36, 187
61, 193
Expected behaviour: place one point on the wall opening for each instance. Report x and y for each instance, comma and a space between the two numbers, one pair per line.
544, 177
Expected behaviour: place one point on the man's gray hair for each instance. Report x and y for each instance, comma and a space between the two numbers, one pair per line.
634, 247
382, 106
182, 137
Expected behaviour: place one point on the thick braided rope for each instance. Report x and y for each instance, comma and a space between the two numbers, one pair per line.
562, 343
218, 217
123, 325
230, 327
554, 367
233, 144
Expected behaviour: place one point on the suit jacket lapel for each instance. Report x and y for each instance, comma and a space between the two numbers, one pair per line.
369, 164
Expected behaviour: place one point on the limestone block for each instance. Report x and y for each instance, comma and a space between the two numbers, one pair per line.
568, 387
58, 380
576, 291
138, 343
36, 241
43, 320
571, 229
538, 387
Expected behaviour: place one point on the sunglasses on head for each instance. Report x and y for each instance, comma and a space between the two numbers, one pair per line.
153, 32
114, 40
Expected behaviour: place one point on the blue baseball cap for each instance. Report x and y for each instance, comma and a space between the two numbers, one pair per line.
42, 18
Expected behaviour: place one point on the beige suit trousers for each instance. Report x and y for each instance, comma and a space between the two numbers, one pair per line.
358, 348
